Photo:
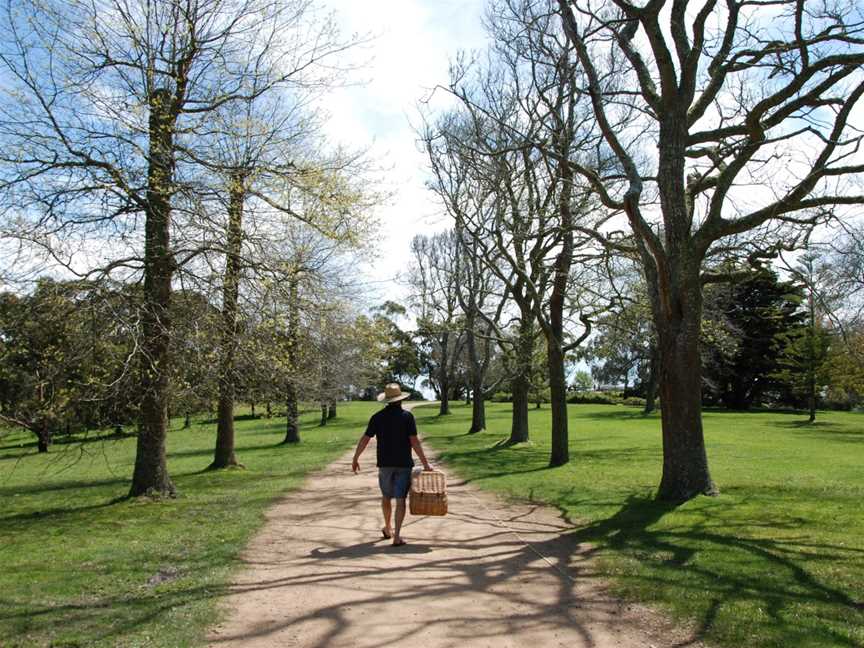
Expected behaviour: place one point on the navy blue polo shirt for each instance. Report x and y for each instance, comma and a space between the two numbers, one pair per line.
393, 427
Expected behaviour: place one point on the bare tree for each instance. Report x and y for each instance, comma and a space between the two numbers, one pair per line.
435, 284
476, 293
523, 117
698, 105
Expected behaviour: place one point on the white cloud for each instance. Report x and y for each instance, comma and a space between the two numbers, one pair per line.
412, 44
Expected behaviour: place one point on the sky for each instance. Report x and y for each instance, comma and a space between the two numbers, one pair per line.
413, 42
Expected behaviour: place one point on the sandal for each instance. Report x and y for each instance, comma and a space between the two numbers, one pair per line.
386, 533
399, 543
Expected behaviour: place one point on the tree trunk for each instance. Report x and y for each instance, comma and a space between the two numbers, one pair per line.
253, 408
223, 455
555, 331
651, 385
269, 410
520, 385
292, 424
323, 415
444, 377
150, 475
43, 439
685, 462
560, 454
187, 421
478, 409
331, 410
811, 359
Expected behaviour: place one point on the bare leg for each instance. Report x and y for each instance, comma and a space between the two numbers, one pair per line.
400, 516
386, 509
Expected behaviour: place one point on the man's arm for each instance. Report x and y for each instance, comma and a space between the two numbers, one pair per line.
361, 446
415, 443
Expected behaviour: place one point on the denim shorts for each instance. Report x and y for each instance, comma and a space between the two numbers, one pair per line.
394, 482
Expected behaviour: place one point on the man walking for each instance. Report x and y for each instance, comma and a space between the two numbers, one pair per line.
396, 433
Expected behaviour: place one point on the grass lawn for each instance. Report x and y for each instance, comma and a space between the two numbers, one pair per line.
776, 560
79, 568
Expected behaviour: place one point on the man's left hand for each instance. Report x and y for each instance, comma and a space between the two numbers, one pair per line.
355, 466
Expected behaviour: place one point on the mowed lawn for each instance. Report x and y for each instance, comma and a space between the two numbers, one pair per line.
79, 568
776, 560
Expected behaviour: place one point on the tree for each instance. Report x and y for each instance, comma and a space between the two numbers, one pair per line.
64, 358
666, 91
527, 233
435, 283
802, 361
756, 310
398, 352
194, 348
476, 287
582, 381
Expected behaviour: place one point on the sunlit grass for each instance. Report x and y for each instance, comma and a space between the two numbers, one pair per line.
80, 568
776, 560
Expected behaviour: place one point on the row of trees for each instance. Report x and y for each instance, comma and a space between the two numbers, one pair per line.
168, 155
686, 142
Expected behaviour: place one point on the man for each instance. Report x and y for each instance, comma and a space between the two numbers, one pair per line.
396, 432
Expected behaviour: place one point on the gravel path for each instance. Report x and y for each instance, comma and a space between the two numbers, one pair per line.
491, 573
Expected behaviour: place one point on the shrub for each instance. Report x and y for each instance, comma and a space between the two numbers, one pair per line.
593, 398
635, 401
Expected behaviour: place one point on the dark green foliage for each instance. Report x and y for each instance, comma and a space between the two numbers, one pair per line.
746, 325
402, 358
65, 358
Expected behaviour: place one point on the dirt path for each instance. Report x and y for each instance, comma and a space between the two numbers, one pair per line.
488, 574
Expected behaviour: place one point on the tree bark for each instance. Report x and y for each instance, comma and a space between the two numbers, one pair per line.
150, 475
223, 455
685, 461
478, 405
292, 424
331, 410
555, 328
444, 377
520, 384
43, 439
323, 415
560, 454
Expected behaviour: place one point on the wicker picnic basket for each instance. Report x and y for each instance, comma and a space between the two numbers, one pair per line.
428, 495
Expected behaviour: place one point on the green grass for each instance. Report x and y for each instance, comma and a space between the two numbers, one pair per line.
79, 568
776, 560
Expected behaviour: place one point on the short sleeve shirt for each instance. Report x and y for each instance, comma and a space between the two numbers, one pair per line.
393, 427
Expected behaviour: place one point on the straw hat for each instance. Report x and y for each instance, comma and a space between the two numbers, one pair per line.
391, 394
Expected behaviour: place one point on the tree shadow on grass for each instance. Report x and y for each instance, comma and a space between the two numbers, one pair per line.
686, 559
